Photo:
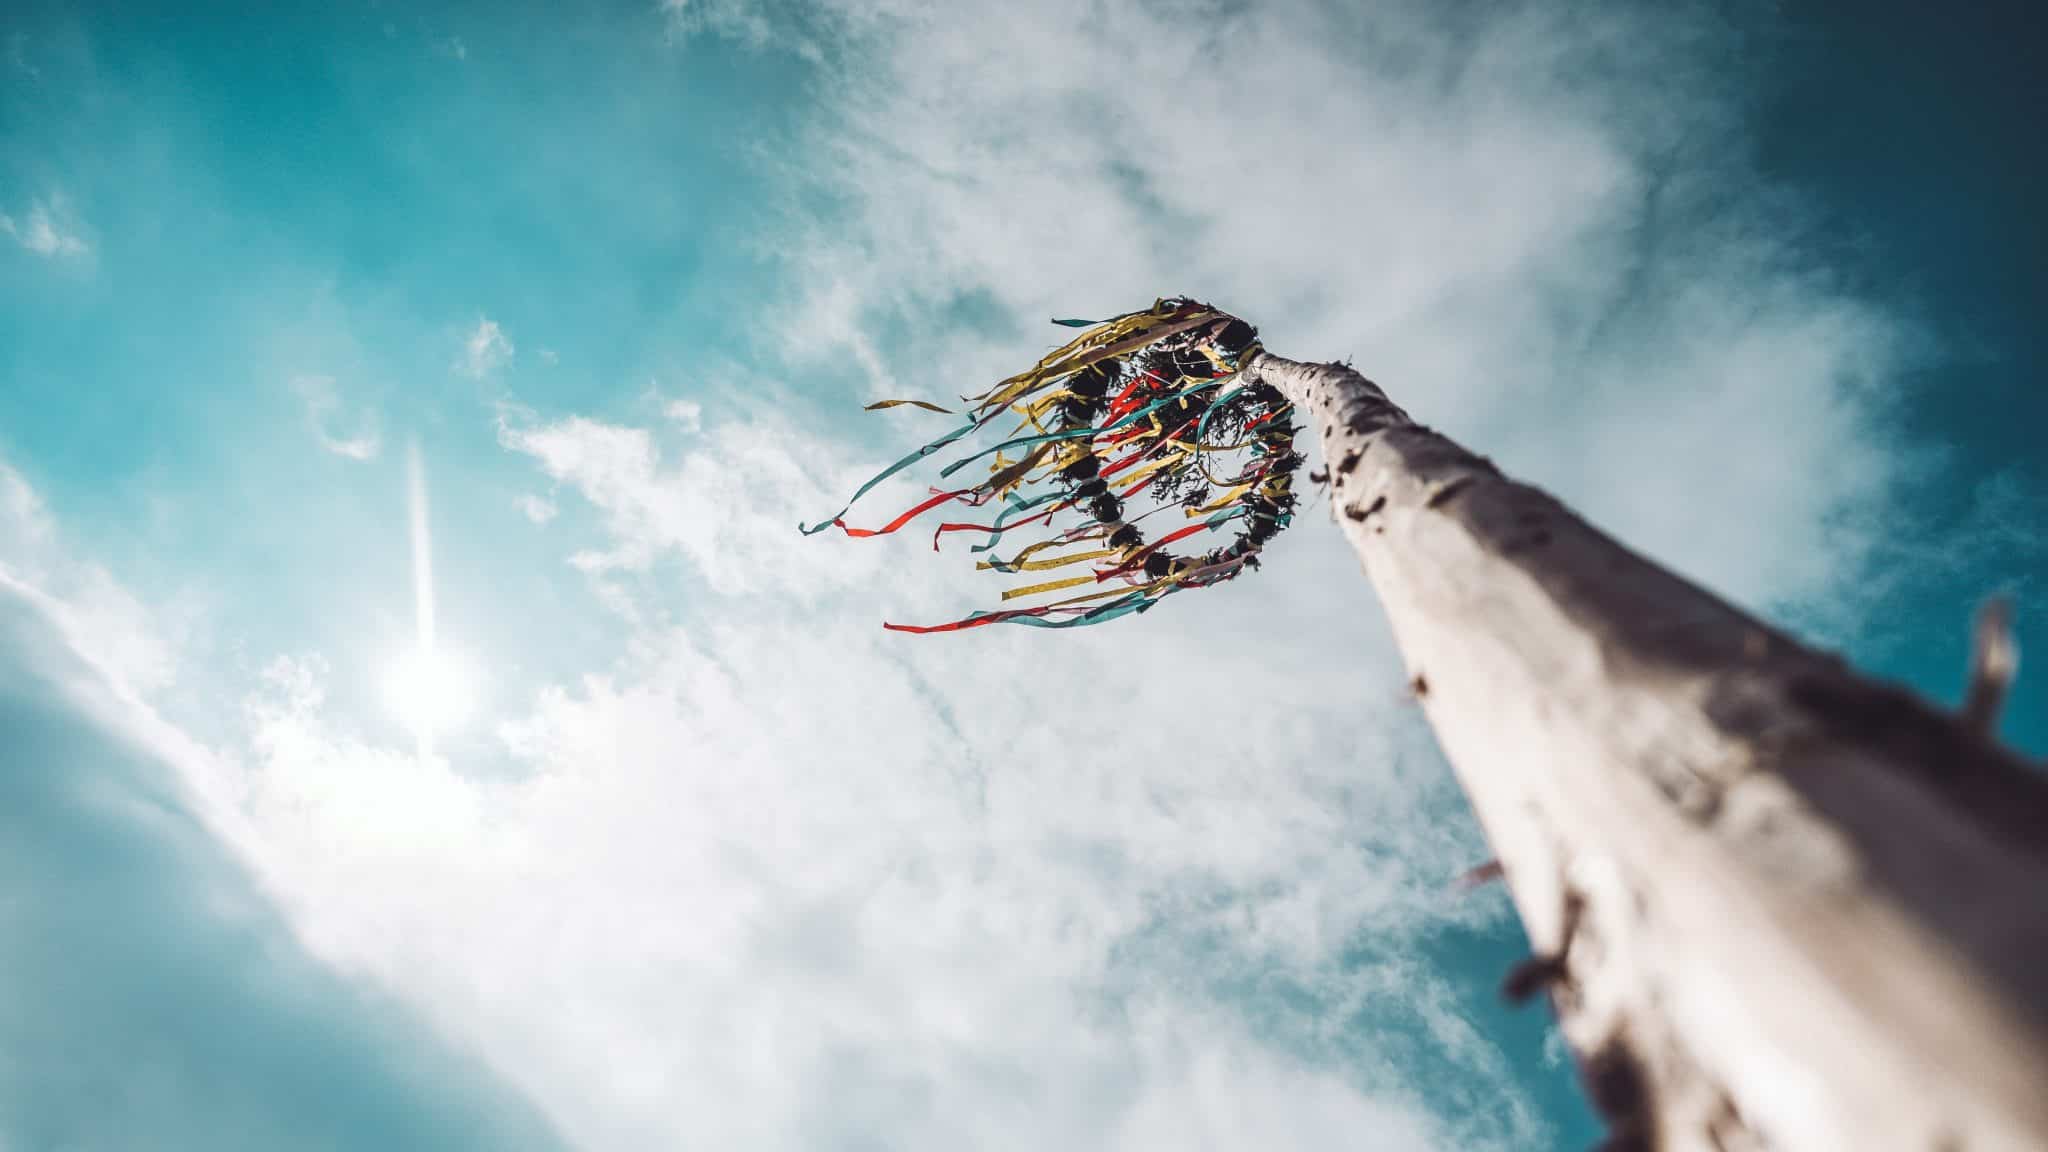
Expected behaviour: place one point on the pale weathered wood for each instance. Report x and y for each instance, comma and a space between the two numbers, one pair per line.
1796, 909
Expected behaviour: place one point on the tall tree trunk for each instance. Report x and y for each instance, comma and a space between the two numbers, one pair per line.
1776, 905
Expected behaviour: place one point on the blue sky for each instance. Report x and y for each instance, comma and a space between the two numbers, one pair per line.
712, 861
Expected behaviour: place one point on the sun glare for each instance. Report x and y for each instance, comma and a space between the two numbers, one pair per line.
431, 691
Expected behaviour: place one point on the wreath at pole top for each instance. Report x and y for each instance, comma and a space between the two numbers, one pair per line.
1137, 415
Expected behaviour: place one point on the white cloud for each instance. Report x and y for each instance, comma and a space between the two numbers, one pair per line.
740, 19
757, 889
1539, 229
778, 879
687, 415
50, 229
729, 506
485, 350
323, 402
107, 625
538, 509
355, 448
1555, 1049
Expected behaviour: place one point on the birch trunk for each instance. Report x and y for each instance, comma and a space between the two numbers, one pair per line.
1775, 905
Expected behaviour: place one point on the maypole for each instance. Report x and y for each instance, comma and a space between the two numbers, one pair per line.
1775, 905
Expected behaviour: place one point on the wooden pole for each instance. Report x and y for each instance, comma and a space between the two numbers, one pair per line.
1776, 905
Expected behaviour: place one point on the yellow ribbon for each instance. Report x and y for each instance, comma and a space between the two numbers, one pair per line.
1048, 586
1022, 565
1221, 502
927, 405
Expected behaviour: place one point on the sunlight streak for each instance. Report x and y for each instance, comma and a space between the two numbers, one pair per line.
422, 548
426, 688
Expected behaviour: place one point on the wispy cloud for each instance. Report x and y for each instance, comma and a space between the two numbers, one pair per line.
744, 19
538, 509
728, 507
130, 644
17, 56
1540, 230
323, 405
778, 830
485, 350
687, 415
50, 229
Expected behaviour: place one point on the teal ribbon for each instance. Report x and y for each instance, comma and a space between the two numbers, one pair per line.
1016, 506
1102, 614
885, 473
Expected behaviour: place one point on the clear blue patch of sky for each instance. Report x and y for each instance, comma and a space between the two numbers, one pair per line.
1915, 130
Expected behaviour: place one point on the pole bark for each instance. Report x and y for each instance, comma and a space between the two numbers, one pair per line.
1776, 905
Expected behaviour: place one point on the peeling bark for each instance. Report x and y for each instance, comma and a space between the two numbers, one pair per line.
1776, 905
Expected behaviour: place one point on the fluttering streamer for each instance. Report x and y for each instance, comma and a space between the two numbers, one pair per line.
1139, 415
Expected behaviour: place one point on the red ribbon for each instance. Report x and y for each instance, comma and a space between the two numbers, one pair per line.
906, 518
